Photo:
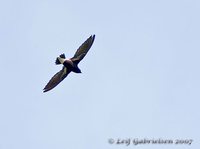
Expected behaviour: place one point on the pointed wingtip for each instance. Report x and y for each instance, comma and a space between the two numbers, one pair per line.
44, 90
93, 36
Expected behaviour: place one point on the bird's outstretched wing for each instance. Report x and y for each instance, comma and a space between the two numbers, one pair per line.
83, 49
56, 79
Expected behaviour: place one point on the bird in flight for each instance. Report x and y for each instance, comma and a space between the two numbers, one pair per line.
69, 65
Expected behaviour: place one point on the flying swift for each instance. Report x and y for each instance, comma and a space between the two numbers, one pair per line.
69, 65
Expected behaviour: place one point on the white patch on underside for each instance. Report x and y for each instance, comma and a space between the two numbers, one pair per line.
61, 60
65, 70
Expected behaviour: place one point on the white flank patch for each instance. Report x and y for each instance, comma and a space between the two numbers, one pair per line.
65, 70
61, 60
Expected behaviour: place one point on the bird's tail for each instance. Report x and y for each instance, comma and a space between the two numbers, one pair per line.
58, 59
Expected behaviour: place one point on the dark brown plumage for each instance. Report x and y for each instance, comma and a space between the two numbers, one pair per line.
69, 65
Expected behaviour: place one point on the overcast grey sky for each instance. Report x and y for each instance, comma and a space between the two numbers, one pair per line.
141, 78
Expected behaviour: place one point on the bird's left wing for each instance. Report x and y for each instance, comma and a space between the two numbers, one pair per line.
56, 79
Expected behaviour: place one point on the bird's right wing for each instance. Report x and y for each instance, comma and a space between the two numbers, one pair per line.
56, 79
83, 49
